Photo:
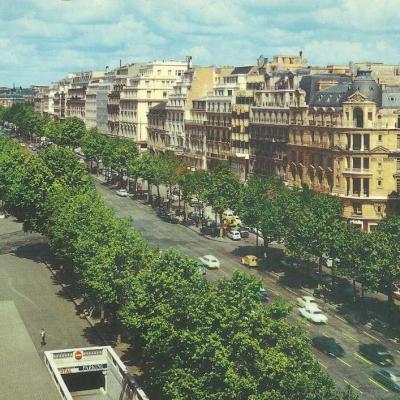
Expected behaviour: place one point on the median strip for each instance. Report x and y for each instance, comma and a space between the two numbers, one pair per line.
378, 384
352, 386
362, 358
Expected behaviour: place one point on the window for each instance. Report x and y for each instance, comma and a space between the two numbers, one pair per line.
164, 95
398, 184
159, 72
379, 138
149, 94
379, 182
229, 92
147, 83
370, 116
366, 163
357, 208
169, 72
398, 141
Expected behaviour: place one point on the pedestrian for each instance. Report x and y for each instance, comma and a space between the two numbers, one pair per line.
43, 337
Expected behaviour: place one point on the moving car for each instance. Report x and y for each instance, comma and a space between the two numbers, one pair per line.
194, 216
376, 353
313, 314
263, 295
201, 267
122, 192
234, 235
390, 377
250, 260
209, 230
209, 261
307, 302
171, 218
328, 346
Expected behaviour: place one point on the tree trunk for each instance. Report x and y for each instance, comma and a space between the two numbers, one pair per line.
221, 226
179, 198
354, 291
390, 293
184, 210
257, 238
320, 270
362, 291
102, 313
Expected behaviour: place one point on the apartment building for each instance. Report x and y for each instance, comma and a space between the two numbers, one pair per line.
158, 139
344, 139
41, 99
141, 91
76, 96
91, 103
270, 121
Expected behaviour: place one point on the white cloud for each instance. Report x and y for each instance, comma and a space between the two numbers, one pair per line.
41, 40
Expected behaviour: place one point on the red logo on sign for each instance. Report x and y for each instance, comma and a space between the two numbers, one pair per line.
78, 355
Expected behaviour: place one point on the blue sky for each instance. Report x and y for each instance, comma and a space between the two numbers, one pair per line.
42, 40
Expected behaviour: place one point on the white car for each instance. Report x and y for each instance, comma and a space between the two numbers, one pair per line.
234, 235
313, 314
122, 192
307, 302
209, 261
174, 197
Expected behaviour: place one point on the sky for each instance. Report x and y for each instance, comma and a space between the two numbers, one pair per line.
42, 40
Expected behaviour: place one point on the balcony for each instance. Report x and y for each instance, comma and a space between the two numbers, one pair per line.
357, 171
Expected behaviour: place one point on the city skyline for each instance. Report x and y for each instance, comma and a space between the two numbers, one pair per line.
42, 41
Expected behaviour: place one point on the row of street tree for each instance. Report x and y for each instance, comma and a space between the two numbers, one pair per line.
198, 341
309, 224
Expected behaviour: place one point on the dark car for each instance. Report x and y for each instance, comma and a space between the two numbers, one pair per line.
263, 295
390, 377
376, 353
328, 346
244, 232
161, 212
171, 218
209, 230
194, 216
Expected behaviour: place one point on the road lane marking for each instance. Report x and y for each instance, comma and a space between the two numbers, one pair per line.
371, 336
350, 337
340, 318
343, 362
274, 292
378, 384
354, 387
291, 291
362, 358
323, 364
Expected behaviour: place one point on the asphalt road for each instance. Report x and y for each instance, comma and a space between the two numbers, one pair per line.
351, 369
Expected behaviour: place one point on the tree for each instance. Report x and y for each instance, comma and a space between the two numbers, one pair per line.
72, 130
92, 145
387, 240
223, 188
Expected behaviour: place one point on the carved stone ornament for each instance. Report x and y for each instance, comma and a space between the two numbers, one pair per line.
358, 97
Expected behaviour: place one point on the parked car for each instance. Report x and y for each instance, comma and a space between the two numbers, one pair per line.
209, 230
263, 295
313, 314
122, 193
194, 215
209, 261
171, 218
234, 235
328, 346
244, 232
174, 197
390, 377
376, 353
161, 212
250, 261
307, 302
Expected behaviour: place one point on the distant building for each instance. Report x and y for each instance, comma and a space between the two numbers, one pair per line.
17, 95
